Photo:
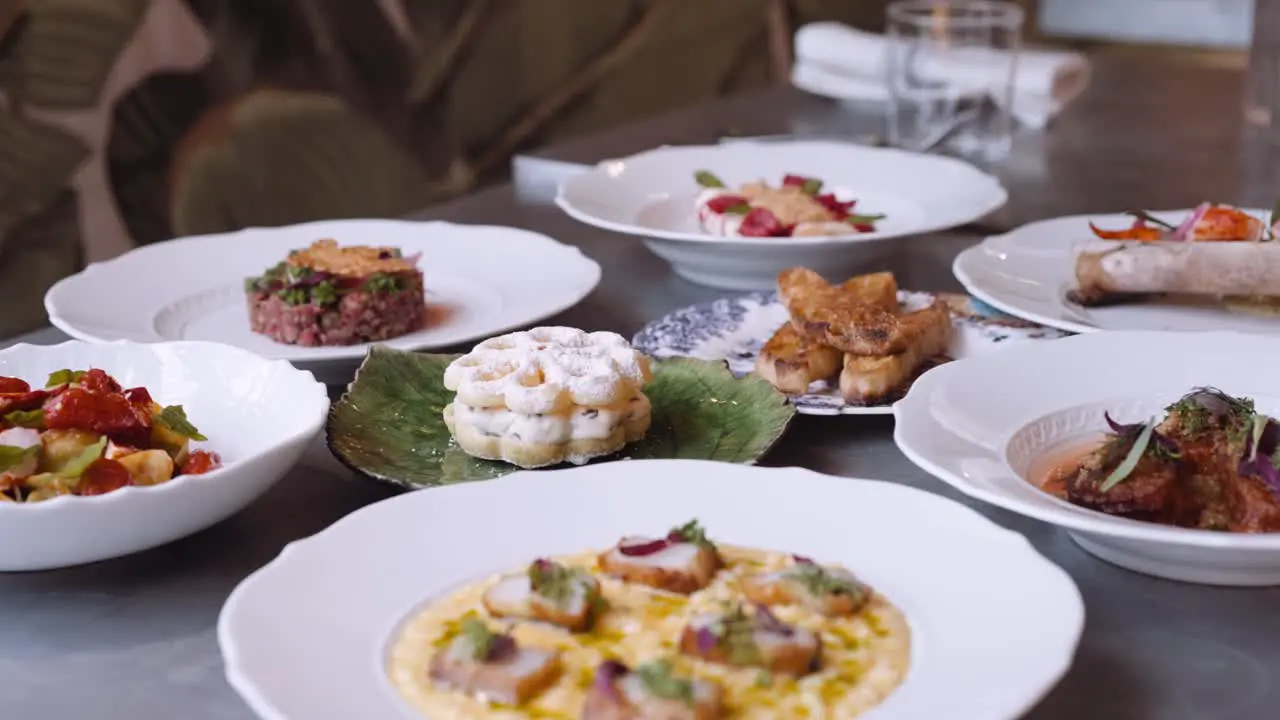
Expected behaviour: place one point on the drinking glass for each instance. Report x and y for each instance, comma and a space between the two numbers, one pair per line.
951, 68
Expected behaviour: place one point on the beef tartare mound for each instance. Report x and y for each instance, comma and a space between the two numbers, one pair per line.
331, 295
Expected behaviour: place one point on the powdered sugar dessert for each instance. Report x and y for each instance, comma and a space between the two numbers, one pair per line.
547, 396
797, 207
331, 295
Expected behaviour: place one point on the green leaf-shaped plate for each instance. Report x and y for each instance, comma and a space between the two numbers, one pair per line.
389, 424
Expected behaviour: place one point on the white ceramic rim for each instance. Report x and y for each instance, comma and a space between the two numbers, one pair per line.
111, 500
1060, 513
1055, 649
999, 196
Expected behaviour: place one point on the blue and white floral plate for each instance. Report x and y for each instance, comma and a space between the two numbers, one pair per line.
734, 330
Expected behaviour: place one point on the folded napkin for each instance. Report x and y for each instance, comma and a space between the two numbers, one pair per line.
838, 61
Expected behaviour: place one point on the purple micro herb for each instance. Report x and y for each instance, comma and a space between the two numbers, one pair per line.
1258, 458
707, 638
769, 622
640, 548
608, 674
801, 560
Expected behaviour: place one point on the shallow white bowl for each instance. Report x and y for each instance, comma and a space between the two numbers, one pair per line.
258, 414
652, 195
479, 283
994, 624
979, 424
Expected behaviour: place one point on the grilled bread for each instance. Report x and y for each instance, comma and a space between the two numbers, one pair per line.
875, 379
790, 361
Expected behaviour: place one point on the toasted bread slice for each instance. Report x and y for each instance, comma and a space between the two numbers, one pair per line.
791, 361
871, 380
859, 316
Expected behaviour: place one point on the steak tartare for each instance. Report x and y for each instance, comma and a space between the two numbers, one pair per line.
331, 295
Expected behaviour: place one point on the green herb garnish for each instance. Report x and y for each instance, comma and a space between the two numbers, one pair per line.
660, 679
707, 180
251, 284
478, 636
324, 293
811, 186
25, 418
294, 296
692, 532
555, 582
819, 581
1130, 462
11, 455
174, 419
64, 377
78, 464
864, 219
382, 283
742, 209
737, 634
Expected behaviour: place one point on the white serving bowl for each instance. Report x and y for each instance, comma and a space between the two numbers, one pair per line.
994, 624
980, 424
258, 414
652, 195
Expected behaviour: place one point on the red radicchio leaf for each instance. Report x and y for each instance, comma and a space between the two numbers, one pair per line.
607, 675
770, 622
500, 648
706, 639
641, 547
314, 278
722, 203
1120, 429
762, 223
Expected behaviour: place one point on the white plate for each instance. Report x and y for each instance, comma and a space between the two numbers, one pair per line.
258, 414
1027, 273
735, 329
976, 424
480, 281
994, 624
652, 195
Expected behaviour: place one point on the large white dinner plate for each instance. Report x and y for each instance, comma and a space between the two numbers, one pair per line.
652, 195
480, 281
979, 424
259, 416
994, 624
1028, 272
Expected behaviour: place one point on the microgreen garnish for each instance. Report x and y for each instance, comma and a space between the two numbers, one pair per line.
555, 582
484, 644
691, 532
819, 581
324, 293
659, 679
382, 283
707, 180
174, 418
1126, 466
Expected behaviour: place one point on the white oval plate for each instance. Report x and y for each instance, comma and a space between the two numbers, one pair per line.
735, 329
652, 195
1027, 273
995, 625
258, 414
480, 281
975, 424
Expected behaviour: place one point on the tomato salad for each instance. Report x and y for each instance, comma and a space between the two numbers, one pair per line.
84, 434
796, 208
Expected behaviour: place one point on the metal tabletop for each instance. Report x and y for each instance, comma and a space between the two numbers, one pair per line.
134, 638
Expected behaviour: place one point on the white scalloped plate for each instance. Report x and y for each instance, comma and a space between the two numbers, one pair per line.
994, 624
735, 329
259, 415
1027, 273
478, 280
652, 195
978, 425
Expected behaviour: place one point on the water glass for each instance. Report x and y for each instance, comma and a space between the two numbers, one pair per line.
951, 67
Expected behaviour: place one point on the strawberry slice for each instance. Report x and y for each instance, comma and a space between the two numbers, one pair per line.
724, 203
762, 223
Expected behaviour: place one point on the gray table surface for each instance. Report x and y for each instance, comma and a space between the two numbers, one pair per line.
134, 637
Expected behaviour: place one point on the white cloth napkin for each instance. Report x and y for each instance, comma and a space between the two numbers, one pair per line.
838, 61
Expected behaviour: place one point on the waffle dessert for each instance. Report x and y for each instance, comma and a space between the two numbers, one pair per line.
331, 295
548, 396
856, 330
